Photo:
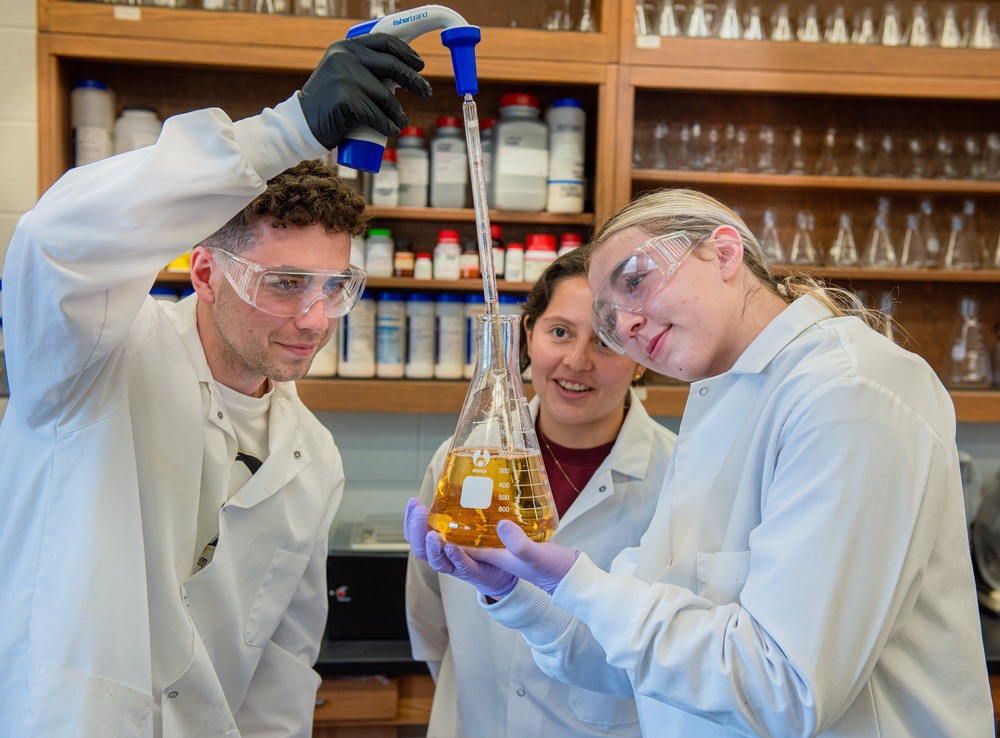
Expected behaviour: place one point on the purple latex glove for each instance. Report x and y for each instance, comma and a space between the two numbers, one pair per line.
493, 571
446, 558
542, 564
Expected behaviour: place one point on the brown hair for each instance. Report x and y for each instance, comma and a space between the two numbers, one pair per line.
309, 193
571, 264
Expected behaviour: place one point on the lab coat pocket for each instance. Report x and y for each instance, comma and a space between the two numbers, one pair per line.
721, 576
274, 593
603, 711
65, 700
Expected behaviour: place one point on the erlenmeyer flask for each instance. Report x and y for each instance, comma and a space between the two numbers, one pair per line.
920, 33
659, 152
696, 24
586, 24
641, 19
879, 251
836, 27
781, 24
885, 157
891, 33
951, 29
730, 27
803, 252
970, 358
963, 252
754, 25
765, 160
844, 250
913, 253
667, 23
944, 163
932, 241
770, 241
739, 159
494, 468
808, 31
796, 160
827, 164
982, 31
860, 155
865, 32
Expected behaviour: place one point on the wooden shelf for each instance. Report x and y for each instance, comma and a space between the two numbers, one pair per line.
813, 182
447, 396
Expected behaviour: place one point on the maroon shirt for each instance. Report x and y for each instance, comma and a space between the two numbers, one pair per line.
578, 464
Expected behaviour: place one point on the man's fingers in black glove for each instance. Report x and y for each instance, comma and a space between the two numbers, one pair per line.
394, 60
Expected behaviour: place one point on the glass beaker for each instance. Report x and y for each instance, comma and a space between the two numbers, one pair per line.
494, 467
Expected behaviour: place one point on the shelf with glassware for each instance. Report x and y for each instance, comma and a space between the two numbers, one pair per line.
513, 31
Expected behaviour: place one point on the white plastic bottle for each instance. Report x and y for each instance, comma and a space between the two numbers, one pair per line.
514, 262
379, 250
486, 143
423, 266
390, 335
475, 304
385, 182
324, 364
413, 163
136, 128
447, 255
567, 122
449, 356
420, 332
358, 251
92, 115
449, 164
540, 252
357, 340
521, 155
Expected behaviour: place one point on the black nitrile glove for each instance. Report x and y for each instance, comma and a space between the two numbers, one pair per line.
346, 89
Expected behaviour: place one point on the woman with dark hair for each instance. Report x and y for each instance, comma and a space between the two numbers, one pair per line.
605, 459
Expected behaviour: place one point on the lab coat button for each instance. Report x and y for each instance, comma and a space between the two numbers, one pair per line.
171, 695
298, 454
703, 391
520, 693
220, 415
603, 488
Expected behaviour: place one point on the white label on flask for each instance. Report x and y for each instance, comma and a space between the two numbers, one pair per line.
477, 493
519, 161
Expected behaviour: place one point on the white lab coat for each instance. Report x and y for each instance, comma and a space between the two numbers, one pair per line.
113, 428
807, 570
488, 684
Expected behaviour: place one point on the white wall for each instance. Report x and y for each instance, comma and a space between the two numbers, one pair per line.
384, 454
18, 115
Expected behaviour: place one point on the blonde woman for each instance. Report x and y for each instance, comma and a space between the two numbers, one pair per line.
807, 570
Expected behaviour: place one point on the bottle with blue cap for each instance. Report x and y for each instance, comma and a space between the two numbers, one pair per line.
567, 122
363, 146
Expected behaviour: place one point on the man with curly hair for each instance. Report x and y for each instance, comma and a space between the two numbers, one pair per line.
167, 497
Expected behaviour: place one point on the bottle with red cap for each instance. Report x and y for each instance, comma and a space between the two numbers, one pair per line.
413, 163
447, 255
499, 265
449, 164
569, 241
521, 154
540, 251
385, 182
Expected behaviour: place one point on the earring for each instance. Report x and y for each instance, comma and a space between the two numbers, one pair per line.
637, 376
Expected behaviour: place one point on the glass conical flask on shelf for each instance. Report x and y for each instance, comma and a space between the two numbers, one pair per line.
770, 239
802, 251
970, 358
494, 467
844, 249
914, 254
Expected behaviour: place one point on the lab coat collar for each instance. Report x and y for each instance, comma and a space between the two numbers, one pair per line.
799, 316
288, 453
630, 454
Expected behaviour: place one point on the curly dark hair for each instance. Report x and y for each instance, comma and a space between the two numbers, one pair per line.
307, 194
572, 264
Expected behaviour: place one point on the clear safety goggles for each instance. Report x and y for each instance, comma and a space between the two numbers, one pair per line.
635, 280
291, 292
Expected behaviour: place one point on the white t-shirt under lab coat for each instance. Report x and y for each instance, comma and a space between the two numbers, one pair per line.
489, 685
807, 570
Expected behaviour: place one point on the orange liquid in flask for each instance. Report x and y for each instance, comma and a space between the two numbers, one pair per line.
480, 488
